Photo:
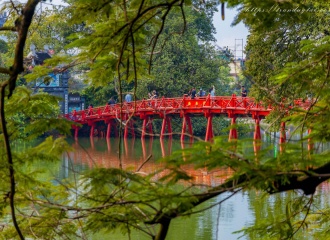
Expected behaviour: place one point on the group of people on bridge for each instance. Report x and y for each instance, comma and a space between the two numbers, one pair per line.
201, 93
129, 98
192, 94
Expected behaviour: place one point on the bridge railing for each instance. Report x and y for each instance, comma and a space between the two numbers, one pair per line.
115, 110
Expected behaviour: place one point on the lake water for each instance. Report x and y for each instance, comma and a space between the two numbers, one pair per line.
218, 222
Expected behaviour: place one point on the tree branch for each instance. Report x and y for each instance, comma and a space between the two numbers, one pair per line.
9, 159
5, 71
307, 183
7, 28
22, 25
164, 225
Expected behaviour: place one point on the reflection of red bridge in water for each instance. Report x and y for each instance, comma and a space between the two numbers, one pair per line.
166, 108
134, 161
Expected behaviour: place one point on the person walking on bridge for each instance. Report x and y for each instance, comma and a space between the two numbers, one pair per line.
154, 95
243, 92
193, 93
111, 101
201, 92
212, 91
128, 98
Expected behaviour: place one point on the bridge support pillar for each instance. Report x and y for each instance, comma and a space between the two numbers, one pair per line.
166, 121
129, 125
132, 128
282, 136
282, 133
111, 123
310, 145
143, 144
186, 122
91, 133
116, 129
257, 132
233, 130
126, 130
146, 121
209, 128
169, 126
108, 129
76, 129
162, 147
257, 136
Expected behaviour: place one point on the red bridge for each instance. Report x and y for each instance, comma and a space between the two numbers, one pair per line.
166, 108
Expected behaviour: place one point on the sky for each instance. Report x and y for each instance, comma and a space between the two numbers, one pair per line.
228, 36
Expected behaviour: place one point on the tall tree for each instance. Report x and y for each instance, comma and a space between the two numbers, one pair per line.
184, 59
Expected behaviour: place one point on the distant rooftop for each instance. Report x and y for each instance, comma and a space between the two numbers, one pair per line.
40, 57
36, 58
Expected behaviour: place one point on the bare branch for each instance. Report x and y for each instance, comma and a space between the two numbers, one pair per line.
14, 7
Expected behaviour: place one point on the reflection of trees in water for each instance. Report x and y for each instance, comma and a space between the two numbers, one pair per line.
95, 152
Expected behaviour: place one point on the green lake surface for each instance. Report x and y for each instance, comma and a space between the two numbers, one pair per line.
218, 222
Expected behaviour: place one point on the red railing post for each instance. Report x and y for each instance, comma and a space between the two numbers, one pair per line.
233, 101
245, 101
90, 111
207, 102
